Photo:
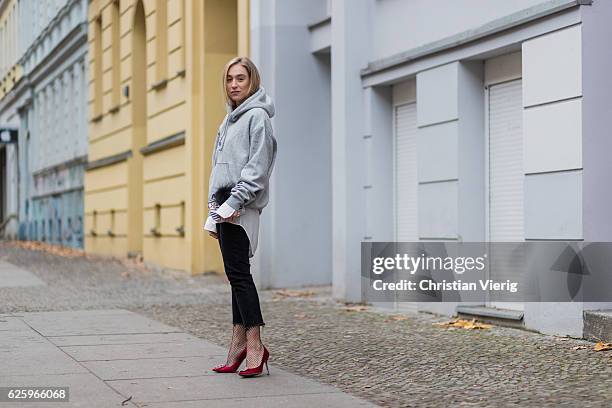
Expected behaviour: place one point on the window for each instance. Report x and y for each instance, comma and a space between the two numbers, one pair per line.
97, 108
116, 44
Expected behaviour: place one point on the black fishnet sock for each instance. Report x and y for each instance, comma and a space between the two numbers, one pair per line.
238, 343
254, 346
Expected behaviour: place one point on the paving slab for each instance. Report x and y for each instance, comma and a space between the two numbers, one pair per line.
329, 399
12, 276
155, 367
13, 323
190, 348
27, 353
69, 323
137, 338
108, 356
220, 386
85, 390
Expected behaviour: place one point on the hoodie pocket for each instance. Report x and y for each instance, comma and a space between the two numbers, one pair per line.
221, 175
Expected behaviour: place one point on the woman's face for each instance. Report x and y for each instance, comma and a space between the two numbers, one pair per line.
237, 83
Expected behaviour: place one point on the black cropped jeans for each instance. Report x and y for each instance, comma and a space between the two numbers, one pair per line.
234, 244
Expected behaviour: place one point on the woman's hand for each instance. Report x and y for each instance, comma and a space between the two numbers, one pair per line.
213, 234
232, 217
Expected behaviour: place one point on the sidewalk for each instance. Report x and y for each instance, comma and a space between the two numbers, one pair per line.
109, 356
387, 358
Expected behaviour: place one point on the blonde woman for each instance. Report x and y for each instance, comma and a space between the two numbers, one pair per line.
242, 161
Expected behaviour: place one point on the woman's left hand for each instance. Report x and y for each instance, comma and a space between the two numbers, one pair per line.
232, 217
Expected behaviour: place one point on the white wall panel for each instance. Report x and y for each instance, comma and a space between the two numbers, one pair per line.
553, 205
438, 210
438, 147
552, 67
553, 136
437, 93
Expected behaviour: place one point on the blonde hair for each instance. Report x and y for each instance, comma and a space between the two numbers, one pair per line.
251, 69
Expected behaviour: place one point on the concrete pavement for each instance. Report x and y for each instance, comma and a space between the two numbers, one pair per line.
106, 357
389, 359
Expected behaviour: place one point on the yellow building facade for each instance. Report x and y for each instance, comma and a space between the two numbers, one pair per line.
155, 102
10, 71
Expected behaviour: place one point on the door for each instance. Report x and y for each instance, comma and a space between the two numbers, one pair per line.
505, 183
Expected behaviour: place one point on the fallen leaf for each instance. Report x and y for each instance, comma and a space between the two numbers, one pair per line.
399, 317
601, 346
53, 249
464, 324
294, 293
355, 308
580, 348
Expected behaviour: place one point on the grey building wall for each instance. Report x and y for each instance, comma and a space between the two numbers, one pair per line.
349, 39
442, 49
295, 240
596, 111
424, 21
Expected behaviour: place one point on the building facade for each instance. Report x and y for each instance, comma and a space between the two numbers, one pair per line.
452, 123
43, 98
10, 76
53, 145
155, 102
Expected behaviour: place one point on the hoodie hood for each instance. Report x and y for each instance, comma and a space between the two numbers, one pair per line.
258, 100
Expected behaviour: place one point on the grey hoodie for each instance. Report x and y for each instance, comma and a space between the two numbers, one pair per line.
243, 159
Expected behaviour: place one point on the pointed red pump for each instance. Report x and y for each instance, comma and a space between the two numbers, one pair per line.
233, 367
255, 371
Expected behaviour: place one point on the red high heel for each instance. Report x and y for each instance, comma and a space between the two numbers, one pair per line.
255, 371
231, 368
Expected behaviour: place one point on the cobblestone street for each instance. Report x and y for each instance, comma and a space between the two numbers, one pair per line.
384, 358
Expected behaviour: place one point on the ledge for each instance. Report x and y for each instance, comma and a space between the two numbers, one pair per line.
107, 161
60, 166
163, 144
159, 84
598, 325
319, 23
491, 312
495, 26
56, 192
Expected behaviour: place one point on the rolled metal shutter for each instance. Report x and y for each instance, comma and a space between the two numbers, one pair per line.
405, 169
505, 181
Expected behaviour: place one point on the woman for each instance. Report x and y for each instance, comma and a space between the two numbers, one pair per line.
243, 158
